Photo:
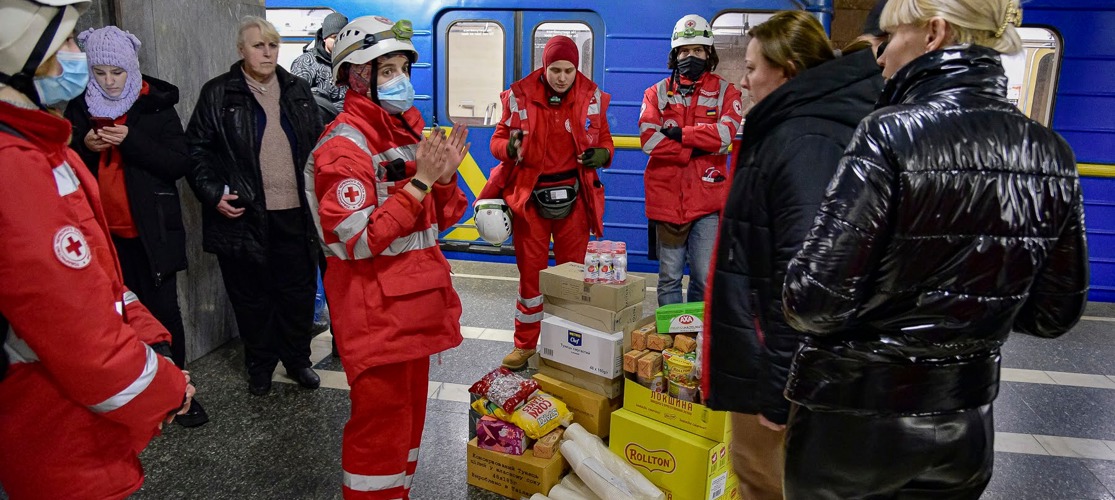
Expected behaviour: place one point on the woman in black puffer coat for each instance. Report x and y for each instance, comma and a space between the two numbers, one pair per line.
792, 141
953, 219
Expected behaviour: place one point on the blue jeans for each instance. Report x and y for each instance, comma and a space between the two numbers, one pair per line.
697, 250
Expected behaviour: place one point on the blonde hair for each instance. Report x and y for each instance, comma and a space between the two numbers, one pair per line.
989, 23
266, 29
794, 41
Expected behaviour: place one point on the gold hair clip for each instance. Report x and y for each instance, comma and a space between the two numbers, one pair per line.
1013, 17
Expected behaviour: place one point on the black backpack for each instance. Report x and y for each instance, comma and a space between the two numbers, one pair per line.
4, 128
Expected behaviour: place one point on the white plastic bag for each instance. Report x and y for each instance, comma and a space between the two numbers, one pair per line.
607, 475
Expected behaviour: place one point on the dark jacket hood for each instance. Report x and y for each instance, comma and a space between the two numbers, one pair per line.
160, 95
319, 51
827, 91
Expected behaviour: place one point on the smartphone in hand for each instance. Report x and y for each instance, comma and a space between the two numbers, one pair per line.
100, 122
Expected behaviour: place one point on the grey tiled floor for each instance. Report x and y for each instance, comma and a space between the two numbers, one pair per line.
286, 445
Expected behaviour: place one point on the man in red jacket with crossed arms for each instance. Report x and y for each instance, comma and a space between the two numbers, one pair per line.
686, 124
551, 139
90, 381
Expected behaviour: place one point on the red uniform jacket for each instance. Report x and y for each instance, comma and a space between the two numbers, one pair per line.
85, 393
515, 182
390, 295
682, 185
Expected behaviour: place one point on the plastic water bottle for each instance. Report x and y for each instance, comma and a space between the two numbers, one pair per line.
619, 263
607, 274
592, 263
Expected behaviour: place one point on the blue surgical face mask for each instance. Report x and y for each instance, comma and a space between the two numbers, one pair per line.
67, 86
396, 95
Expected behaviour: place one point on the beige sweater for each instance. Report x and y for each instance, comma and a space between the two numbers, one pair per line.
276, 163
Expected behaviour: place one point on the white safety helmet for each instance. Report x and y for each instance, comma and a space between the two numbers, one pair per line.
493, 220
368, 37
691, 30
30, 32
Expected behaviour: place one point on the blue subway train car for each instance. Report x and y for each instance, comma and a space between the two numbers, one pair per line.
471, 50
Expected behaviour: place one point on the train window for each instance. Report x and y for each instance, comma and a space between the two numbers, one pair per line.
1032, 73
729, 32
581, 33
475, 71
297, 27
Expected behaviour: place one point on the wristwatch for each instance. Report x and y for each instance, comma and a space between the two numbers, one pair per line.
421, 185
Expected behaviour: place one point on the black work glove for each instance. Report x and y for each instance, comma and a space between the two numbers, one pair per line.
595, 157
514, 145
673, 133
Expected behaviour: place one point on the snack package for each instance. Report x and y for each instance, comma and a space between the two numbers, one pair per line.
630, 360
639, 339
685, 343
649, 364
497, 435
546, 445
504, 388
542, 414
659, 341
680, 369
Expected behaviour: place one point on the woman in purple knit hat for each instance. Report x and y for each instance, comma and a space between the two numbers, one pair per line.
126, 130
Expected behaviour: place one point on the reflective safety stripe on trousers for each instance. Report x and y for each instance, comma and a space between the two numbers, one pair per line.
528, 304
356, 224
360, 482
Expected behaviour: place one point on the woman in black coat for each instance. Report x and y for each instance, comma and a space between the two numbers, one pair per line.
952, 220
792, 141
127, 132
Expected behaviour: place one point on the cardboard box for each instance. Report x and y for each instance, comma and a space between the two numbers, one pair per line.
690, 417
685, 466
597, 318
591, 410
588, 349
680, 318
567, 281
513, 475
604, 386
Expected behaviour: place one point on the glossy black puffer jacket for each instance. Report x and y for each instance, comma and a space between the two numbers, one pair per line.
952, 219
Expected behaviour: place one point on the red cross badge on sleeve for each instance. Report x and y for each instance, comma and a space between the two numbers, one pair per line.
71, 249
351, 194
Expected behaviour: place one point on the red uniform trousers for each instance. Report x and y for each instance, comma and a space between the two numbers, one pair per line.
531, 235
379, 450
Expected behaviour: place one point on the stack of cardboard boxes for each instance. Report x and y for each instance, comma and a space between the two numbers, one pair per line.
673, 440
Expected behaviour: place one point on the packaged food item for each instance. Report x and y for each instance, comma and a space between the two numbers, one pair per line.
546, 445
638, 340
619, 263
542, 414
685, 343
592, 262
504, 388
650, 364
680, 369
630, 360
659, 341
684, 391
496, 435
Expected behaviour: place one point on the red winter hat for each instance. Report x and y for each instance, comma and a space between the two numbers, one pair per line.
560, 48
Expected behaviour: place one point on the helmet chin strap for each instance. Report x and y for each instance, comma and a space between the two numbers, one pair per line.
24, 81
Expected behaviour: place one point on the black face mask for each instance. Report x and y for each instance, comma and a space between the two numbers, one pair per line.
692, 67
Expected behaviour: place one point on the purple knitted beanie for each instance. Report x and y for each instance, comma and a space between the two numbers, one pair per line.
111, 46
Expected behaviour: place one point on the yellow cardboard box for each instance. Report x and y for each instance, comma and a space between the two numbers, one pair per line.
689, 417
591, 410
685, 466
597, 318
567, 281
513, 475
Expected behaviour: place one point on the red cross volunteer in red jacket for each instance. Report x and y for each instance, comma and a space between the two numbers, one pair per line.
686, 124
382, 193
551, 139
85, 391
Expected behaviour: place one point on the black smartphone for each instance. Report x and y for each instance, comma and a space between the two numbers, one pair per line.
239, 202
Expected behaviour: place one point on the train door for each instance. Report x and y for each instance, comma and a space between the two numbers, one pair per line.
480, 54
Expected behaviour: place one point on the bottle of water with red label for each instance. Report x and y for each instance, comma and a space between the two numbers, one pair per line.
592, 262
619, 263
607, 274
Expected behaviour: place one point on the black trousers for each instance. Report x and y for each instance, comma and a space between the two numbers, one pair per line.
161, 299
841, 456
274, 301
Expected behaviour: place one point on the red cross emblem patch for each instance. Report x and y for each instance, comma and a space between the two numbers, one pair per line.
70, 247
351, 194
